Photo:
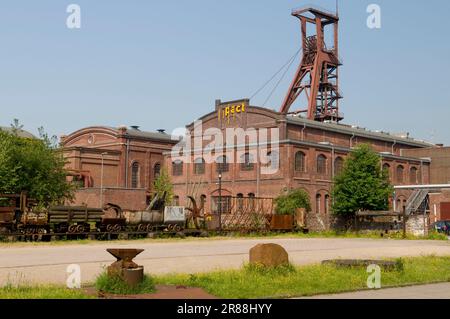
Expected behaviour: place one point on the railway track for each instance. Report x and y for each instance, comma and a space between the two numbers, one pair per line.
122, 235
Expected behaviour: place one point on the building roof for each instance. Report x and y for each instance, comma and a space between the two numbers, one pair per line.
19, 132
358, 131
136, 133
121, 131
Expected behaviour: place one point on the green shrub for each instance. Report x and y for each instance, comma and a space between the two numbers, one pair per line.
116, 285
289, 203
400, 264
436, 236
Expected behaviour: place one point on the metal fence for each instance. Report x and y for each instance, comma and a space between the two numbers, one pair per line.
247, 214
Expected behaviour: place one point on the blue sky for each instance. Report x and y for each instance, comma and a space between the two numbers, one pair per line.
161, 64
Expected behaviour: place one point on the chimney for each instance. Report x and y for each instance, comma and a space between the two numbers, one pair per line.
218, 102
135, 127
162, 131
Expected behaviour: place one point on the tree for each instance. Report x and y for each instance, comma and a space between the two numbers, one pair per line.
289, 203
362, 185
16, 127
33, 166
163, 185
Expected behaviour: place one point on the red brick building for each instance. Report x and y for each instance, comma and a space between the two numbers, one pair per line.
310, 153
440, 175
119, 163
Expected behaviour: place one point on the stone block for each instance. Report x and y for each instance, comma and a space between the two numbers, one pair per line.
269, 255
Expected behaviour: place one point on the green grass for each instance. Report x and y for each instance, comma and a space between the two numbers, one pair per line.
41, 292
258, 282
251, 282
236, 235
398, 235
115, 285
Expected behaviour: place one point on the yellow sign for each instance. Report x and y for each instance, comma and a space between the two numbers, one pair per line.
228, 111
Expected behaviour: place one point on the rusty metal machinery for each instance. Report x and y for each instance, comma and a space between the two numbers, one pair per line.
317, 76
125, 268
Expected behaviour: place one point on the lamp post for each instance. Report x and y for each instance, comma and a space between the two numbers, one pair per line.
101, 180
220, 200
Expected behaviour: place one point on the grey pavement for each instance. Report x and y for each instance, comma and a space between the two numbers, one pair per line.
48, 263
434, 291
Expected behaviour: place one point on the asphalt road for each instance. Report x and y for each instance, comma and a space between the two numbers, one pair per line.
48, 264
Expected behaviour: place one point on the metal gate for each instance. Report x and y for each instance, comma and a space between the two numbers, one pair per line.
248, 214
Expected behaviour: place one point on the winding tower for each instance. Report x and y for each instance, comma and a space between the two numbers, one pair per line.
318, 74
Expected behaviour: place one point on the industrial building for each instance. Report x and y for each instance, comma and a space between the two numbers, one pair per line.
120, 164
115, 165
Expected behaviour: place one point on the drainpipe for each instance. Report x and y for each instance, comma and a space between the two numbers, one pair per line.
393, 145
126, 162
421, 172
351, 140
303, 131
332, 162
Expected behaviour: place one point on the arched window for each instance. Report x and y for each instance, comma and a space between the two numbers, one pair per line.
177, 168
399, 205
327, 204
247, 162
273, 160
321, 164
222, 165
135, 175
240, 201
251, 201
400, 172
299, 162
413, 175
156, 170
387, 168
318, 203
338, 165
199, 166
176, 200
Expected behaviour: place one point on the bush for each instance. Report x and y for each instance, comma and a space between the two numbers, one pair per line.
116, 285
288, 204
436, 236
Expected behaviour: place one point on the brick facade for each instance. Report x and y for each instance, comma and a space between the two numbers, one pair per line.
301, 144
122, 161
332, 142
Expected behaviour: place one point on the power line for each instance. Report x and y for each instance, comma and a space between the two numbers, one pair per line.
281, 79
289, 62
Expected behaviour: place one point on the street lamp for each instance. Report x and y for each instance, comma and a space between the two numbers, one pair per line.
101, 180
220, 200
